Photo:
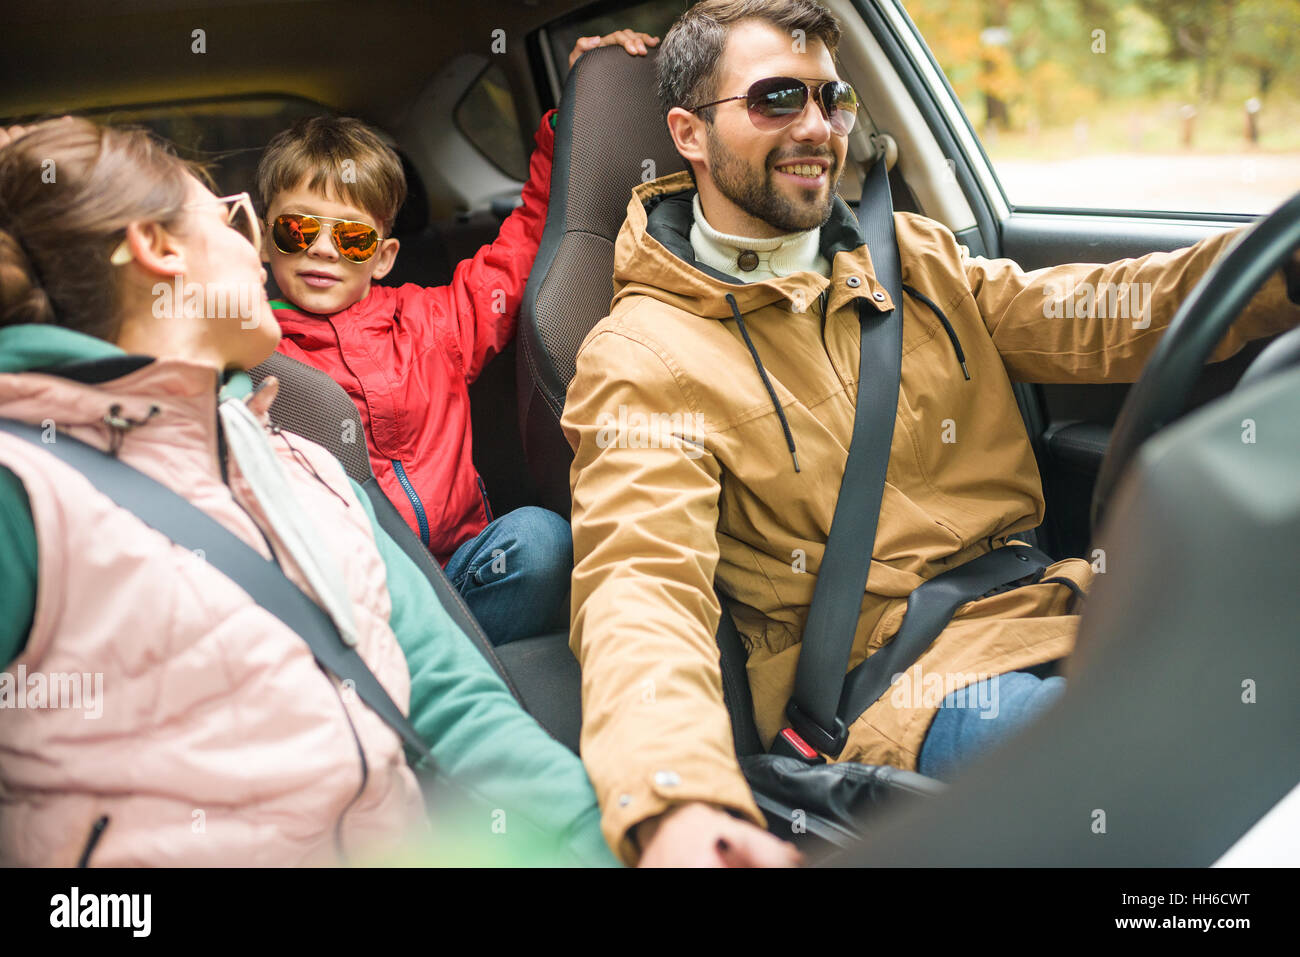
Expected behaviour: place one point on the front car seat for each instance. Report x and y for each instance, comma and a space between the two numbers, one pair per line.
620, 142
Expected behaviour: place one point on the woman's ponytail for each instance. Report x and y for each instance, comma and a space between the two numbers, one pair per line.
22, 298
68, 190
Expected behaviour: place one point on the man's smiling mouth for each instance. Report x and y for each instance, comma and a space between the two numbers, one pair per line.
810, 172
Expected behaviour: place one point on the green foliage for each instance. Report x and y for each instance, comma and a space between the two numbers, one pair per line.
1025, 65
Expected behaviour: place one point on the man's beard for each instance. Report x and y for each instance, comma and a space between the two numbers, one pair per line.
753, 190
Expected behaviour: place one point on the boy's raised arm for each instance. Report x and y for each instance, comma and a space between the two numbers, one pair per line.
486, 290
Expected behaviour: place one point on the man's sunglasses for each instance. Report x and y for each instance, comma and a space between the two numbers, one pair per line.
294, 232
776, 102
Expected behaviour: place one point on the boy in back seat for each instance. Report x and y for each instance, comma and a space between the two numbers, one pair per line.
330, 189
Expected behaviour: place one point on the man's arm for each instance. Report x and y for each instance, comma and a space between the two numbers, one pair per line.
655, 730
1100, 323
478, 733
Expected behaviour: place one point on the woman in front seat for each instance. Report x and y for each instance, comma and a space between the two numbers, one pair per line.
205, 733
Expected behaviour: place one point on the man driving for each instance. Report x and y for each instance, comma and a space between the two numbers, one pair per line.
711, 417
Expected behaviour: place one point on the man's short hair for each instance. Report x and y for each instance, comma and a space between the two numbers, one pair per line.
687, 66
338, 156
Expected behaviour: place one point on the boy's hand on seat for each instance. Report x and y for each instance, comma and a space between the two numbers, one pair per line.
698, 835
633, 42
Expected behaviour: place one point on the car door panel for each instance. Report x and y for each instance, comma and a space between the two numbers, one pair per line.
1077, 418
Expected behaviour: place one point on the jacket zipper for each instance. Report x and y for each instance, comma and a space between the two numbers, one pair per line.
96, 832
365, 771
416, 504
482, 490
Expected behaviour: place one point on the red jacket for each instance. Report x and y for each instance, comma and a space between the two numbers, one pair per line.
407, 355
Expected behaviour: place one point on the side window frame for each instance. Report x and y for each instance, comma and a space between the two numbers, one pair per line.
517, 128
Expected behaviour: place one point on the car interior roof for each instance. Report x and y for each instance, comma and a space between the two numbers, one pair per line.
84, 54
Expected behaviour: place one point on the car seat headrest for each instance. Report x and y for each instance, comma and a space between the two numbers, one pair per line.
313, 405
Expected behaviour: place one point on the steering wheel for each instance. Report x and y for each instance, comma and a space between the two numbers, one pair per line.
1160, 396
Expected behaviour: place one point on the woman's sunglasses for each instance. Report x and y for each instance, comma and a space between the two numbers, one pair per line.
239, 217
776, 102
294, 232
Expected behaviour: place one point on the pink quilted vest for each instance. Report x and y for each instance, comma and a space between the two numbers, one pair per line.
220, 741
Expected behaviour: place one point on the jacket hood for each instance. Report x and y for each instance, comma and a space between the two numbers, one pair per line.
31, 347
653, 256
57, 350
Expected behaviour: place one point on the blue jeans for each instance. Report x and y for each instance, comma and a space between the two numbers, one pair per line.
514, 575
977, 718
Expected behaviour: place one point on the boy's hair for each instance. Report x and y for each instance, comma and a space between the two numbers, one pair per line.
339, 156
687, 66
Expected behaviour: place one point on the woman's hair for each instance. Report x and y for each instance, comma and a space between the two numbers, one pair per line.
68, 189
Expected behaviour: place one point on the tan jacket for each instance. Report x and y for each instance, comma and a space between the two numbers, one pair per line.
682, 477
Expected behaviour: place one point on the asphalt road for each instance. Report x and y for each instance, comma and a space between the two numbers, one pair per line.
1230, 183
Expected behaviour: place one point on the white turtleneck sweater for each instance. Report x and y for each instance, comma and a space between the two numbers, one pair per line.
778, 256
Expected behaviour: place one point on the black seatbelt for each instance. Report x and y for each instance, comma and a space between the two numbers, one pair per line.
930, 607
188, 526
826, 701
842, 575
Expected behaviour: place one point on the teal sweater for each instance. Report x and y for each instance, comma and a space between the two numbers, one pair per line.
533, 802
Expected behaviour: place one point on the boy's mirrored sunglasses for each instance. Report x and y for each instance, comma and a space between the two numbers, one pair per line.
295, 232
777, 101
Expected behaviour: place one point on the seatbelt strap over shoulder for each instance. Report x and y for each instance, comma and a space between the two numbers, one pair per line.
188, 526
846, 562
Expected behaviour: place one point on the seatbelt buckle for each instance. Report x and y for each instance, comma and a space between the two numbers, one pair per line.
812, 734
789, 744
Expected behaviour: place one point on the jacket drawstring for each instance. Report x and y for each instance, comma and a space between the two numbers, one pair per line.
96, 832
119, 424
758, 364
947, 326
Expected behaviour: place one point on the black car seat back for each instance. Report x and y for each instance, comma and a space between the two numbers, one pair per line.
609, 138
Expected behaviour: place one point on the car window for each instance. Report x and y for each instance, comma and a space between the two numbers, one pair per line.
1128, 104
486, 115
653, 17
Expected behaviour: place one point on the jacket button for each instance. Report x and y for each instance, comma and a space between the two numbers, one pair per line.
853, 282
667, 779
878, 296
